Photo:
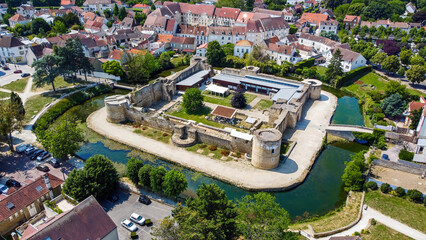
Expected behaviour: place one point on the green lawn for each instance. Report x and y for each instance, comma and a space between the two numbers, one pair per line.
370, 78
217, 154
199, 117
321, 70
4, 94
263, 104
18, 85
225, 101
403, 210
154, 134
60, 82
380, 231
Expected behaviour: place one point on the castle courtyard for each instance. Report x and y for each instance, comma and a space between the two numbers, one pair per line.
307, 135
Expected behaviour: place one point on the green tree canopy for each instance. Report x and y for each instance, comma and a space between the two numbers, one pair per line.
405, 56
238, 100
144, 175
393, 106
46, 70
113, 68
417, 60
353, 173
174, 183
379, 58
215, 54
416, 74
391, 64
334, 69
39, 23
122, 14
157, 178
192, 100
133, 167
11, 117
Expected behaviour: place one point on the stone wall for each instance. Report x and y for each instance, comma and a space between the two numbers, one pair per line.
402, 165
148, 95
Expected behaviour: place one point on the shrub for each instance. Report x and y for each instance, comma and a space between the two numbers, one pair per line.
357, 234
144, 128
133, 235
138, 131
415, 195
373, 221
406, 155
304, 64
400, 192
385, 188
380, 116
350, 76
165, 134
203, 145
371, 185
213, 148
224, 152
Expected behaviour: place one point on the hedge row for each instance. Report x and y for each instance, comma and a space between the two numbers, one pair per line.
349, 76
63, 105
305, 63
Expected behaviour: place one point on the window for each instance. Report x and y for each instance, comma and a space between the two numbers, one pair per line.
273, 151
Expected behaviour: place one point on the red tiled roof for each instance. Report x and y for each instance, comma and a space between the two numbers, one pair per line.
18, 18
170, 25
140, 5
225, 12
27, 195
225, 112
116, 54
183, 40
351, 18
416, 106
164, 37
313, 18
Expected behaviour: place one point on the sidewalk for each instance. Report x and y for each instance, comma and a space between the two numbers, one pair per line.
309, 132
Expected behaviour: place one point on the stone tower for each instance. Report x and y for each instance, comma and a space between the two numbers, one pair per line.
266, 148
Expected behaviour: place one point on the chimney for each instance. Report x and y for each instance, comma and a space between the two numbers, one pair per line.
48, 186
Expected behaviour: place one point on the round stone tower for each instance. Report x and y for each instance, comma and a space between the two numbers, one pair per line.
116, 108
266, 148
314, 88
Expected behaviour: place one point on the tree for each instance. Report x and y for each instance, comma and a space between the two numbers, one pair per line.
393, 106
167, 230
391, 64
377, 10
209, 216
260, 217
38, 24
157, 178
19, 30
164, 61
228, 49
122, 14
334, 69
98, 178
379, 58
293, 29
215, 54
249, 5
113, 68
144, 175
238, 100
71, 19
416, 74
417, 60
419, 16
16, 102
396, 87
385, 188
400, 192
405, 56
116, 10
62, 140
415, 118
174, 183
192, 100
353, 173
107, 13
133, 167
140, 18
414, 195
46, 70
329, 35
59, 27
11, 118
139, 67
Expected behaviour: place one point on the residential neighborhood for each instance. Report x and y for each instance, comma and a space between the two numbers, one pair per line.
213, 119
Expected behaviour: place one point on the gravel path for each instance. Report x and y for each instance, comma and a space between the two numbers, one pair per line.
309, 133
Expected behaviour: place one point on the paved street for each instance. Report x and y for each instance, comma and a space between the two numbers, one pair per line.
7, 76
128, 204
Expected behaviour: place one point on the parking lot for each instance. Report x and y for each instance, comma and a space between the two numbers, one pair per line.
128, 204
7, 76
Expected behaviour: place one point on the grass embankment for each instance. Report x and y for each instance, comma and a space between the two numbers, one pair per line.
225, 101
215, 152
412, 214
334, 220
199, 117
154, 134
60, 82
263, 104
4, 95
17, 86
380, 231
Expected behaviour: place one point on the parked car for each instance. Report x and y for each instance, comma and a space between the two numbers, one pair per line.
144, 199
137, 219
17, 71
127, 224
23, 147
43, 156
5, 67
54, 162
13, 183
42, 168
25, 75
36, 154
113, 197
30, 150
3, 189
385, 157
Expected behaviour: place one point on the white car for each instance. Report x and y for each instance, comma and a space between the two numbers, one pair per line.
137, 219
3, 189
23, 147
126, 223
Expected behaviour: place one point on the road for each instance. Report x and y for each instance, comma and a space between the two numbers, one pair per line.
7, 76
128, 204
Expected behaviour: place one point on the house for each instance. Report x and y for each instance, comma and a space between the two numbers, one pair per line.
291, 38
94, 47
37, 51
98, 5
190, 14
128, 23
202, 50
288, 16
327, 12
200, 33
158, 4
221, 34
243, 47
141, 6
92, 26
265, 28
156, 22
226, 16
351, 21
329, 26
270, 13
116, 55
283, 53
68, 4
27, 202
18, 19
87, 220
413, 106
410, 8
320, 44
312, 19
305, 52
350, 60
13, 50
182, 44
26, 10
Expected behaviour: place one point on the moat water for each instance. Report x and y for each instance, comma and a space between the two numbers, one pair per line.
321, 192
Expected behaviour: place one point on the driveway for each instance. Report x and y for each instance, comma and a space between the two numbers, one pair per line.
7, 76
393, 152
128, 204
